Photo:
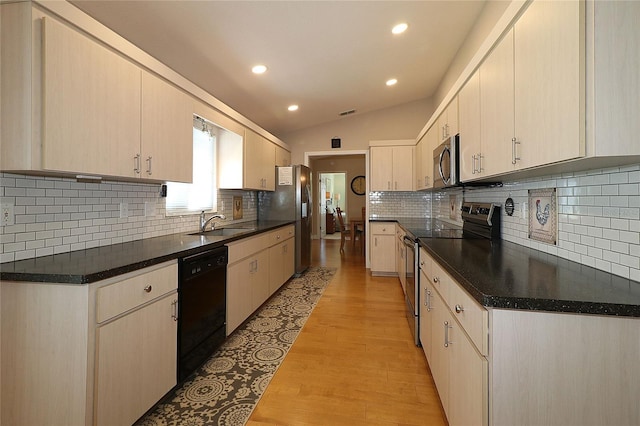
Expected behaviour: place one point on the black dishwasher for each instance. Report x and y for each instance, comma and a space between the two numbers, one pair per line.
202, 293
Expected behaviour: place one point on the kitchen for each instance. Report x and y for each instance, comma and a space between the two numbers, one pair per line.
578, 197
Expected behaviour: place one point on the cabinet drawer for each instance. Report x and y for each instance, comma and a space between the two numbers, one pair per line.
238, 250
384, 228
114, 299
281, 234
471, 315
441, 281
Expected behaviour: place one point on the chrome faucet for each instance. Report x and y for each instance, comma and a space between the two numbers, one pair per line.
203, 222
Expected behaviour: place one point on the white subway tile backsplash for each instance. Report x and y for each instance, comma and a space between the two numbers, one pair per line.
64, 215
598, 216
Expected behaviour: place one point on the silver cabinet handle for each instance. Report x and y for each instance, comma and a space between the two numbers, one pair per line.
148, 289
136, 164
174, 307
480, 157
436, 280
459, 309
149, 165
446, 334
473, 164
514, 157
396, 185
389, 184
427, 299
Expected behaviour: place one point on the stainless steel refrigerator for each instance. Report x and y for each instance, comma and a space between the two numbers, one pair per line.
291, 201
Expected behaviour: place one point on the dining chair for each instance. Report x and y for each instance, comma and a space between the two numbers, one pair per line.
345, 229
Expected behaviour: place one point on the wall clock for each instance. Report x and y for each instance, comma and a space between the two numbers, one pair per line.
358, 185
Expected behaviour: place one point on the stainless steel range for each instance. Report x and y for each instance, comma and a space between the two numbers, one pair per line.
480, 220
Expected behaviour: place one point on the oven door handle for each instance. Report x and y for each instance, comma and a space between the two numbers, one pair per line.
408, 241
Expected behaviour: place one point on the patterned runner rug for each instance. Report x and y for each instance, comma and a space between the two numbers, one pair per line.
225, 390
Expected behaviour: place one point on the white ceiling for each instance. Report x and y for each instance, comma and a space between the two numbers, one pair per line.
325, 56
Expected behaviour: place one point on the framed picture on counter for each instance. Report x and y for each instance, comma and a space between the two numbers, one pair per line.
543, 215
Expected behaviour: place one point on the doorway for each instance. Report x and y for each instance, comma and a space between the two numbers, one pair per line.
332, 195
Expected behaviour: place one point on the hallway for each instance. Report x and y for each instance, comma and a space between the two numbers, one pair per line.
354, 362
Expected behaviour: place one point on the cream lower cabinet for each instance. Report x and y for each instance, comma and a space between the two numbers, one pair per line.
508, 366
281, 257
101, 353
257, 267
454, 335
247, 281
382, 248
135, 362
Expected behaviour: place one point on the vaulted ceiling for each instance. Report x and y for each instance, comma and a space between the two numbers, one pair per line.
327, 57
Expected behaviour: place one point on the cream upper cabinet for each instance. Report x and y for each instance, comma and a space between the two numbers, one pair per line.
549, 83
283, 157
248, 164
469, 109
90, 105
166, 151
420, 165
392, 168
496, 110
259, 162
448, 121
381, 168
424, 158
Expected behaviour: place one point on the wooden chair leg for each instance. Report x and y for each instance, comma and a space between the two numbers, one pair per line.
342, 242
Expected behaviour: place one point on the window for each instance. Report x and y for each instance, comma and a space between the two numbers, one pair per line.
188, 198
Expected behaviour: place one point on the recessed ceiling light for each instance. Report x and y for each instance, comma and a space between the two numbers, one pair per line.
391, 82
293, 107
259, 69
400, 28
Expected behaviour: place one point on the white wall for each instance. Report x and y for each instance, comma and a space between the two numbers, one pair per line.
355, 131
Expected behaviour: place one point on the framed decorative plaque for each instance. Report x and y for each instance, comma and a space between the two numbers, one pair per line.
543, 215
237, 208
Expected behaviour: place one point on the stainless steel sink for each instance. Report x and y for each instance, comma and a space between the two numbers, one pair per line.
224, 232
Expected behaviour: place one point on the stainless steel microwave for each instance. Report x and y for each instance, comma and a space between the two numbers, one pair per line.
446, 163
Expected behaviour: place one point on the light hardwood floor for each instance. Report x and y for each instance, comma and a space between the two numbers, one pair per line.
354, 362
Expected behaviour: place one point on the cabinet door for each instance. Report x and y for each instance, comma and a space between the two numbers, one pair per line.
452, 118
420, 181
289, 259
260, 280
238, 293
259, 162
91, 105
427, 155
167, 132
135, 362
426, 312
440, 356
549, 82
276, 267
381, 168
383, 256
469, 112
468, 381
403, 168
283, 157
497, 109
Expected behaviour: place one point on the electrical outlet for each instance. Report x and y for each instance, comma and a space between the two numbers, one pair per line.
8, 216
149, 209
124, 210
222, 205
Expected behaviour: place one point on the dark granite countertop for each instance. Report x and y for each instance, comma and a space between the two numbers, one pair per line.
95, 264
501, 274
